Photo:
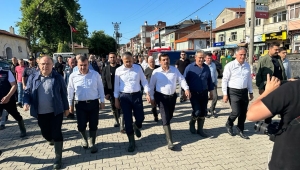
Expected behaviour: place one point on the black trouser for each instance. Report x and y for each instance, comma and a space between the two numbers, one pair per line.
87, 111
199, 102
132, 102
11, 108
51, 126
238, 99
113, 107
214, 100
166, 104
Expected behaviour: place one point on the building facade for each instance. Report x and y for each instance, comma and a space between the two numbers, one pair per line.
293, 10
13, 45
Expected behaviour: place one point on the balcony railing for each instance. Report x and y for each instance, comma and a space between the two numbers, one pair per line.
274, 4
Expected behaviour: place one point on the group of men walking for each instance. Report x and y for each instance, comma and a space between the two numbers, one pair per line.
50, 94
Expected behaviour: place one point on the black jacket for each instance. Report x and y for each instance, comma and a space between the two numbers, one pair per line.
106, 79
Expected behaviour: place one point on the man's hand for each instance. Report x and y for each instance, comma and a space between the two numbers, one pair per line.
71, 109
187, 94
225, 98
272, 84
5, 100
102, 105
250, 97
117, 103
24, 87
66, 113
26, 107
292, 79
211, 95
153, 103
261, 91
107, 97
148, 98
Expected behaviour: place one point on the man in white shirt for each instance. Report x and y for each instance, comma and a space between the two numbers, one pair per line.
145, 63
128, 97
236, 84
163, 80
88, 87
157, 59
214, 78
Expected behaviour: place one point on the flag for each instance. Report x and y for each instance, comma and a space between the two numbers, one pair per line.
73, 29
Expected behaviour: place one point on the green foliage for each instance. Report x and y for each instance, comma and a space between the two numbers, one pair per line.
46, 22
101, 44
63, 47
82, 35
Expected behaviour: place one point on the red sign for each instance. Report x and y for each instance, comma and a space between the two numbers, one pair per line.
264, 15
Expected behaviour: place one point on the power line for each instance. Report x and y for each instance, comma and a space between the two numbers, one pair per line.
195, 11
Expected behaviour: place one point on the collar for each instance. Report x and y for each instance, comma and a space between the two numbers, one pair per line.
40, 75
78, 72
237, 63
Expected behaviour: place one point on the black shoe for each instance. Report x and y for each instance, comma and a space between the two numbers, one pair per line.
71, 116
0, 152
51, 143
156, 119
136, 130
229, 129
20, 105
241, 133
214, 114
2, 127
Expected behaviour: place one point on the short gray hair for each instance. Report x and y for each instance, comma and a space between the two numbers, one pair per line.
150, 58
47, 56
240, 49
199, 52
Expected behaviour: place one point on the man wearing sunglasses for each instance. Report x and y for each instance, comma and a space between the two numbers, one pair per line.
181, 64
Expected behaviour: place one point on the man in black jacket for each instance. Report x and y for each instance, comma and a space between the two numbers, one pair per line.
108, 78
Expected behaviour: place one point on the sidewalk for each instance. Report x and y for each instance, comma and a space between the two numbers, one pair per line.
220, 151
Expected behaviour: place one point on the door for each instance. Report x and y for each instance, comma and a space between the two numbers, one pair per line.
8, 53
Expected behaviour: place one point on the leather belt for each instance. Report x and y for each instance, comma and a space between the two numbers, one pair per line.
85, 101
133, 93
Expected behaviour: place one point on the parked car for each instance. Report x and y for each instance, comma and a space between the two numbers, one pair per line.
4, 65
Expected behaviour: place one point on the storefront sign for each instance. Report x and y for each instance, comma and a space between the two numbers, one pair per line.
274, 36
230, 46
261, 11
258, 38
219, 44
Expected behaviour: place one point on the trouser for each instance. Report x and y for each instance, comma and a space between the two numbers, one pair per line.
238, 99
11, 108
113, 107
214, 100
132, 104
50, 125
166, 104
20, 92
199, 102
3, 117
87, 111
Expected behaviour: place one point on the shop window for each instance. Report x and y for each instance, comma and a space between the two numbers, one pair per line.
249, 22
294, 11
223, 20
233, 36
279, 16
257, 22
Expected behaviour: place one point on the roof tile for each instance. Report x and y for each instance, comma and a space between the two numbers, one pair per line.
231, 24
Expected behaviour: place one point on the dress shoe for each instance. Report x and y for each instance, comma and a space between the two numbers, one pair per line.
241, 134
156, 119
229, 129
71, 116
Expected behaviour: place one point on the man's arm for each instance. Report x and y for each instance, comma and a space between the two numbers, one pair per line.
144, 81
258, 77
12, 90
106, 90
210, 84
152, 84
100, 88
117, 85
71, 89
249, 83
225, 79
64, 93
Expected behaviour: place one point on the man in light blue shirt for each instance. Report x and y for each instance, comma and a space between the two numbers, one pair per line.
76, 67
286, 63
214, 78
88, 88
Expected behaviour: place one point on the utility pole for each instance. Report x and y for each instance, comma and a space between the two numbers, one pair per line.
159, 40
117, 35
210, 37
251, 45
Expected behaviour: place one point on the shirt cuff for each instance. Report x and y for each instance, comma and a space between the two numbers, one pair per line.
224, 93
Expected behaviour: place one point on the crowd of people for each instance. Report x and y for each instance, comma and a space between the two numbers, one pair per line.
54, 90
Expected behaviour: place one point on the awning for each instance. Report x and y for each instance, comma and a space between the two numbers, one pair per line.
230, 46
243, 44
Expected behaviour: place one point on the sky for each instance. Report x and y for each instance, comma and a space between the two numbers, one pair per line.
131, 13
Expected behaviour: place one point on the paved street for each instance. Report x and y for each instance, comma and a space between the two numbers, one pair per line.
220, 151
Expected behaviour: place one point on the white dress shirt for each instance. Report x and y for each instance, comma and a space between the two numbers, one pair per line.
165, 81
144, 65
127, 80
237, 76
85, 87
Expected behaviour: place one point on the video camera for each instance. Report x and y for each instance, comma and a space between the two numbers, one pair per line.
268, 129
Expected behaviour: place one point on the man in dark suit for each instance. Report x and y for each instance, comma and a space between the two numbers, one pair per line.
108, 78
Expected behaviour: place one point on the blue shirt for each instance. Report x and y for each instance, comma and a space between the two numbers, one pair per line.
76, 68
67, 72
198, 79
287, 67
213, 73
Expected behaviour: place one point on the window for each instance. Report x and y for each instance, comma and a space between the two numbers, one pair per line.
249, 22
294, 11
279, 16
233, 36
221, 37
223, 20
257, 21
19, 49
275, 0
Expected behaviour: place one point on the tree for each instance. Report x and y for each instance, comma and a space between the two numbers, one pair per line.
48, 21
81, 36
63, 47
101, 44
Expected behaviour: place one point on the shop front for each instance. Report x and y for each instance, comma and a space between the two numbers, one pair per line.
295, 40
279, 37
